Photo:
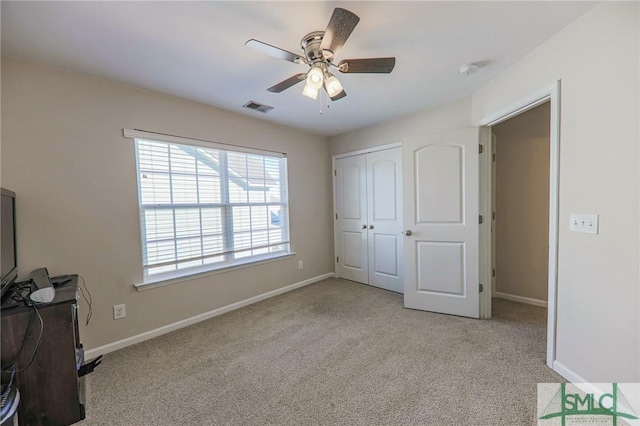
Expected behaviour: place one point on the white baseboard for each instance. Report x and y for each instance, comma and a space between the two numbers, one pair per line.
580, 382
520, 299
114, 346
567, 373
601, 389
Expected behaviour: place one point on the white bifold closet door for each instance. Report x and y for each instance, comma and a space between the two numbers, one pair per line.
368, 190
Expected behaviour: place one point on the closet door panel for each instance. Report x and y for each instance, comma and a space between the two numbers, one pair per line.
384, 191
351, 245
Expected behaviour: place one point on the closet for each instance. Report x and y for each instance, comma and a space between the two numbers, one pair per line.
368, 217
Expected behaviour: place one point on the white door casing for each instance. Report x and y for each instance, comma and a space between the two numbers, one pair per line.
493, 209
551, 94
441, 266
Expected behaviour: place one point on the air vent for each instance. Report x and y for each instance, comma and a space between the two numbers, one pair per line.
258, 107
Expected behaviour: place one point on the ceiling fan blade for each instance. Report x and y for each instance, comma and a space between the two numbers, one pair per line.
276, 52
338, 96
367, 65
283, 85
340, 26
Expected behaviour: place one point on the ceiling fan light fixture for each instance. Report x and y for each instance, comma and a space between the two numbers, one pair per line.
333, 86
310, 92
319, 49
315, 78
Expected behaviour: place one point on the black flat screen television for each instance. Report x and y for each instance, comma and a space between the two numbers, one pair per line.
8, 252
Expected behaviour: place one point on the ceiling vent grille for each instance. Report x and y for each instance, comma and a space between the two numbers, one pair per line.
257, 106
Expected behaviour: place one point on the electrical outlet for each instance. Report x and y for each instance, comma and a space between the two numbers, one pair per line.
119, 312
300, 264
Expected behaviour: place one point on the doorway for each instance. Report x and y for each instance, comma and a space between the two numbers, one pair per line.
520, 213
550, 95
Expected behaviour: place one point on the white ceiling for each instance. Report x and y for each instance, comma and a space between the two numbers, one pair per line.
195, 50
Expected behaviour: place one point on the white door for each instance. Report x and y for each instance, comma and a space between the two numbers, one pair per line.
441, 265
384, 211
368, 204
351, 220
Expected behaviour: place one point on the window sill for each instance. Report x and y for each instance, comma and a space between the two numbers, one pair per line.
162, 281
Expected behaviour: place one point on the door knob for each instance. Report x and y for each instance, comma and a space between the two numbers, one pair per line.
370, 226
363, 226
408, 232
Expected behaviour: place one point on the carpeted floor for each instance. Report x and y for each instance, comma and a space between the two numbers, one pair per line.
332, 353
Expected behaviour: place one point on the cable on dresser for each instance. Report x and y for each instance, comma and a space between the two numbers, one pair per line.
14, 364
88, 300
35, 350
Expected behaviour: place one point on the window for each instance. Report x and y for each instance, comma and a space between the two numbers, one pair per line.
205, 208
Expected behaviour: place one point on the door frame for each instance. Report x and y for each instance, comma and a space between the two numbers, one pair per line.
333, 178
550, 93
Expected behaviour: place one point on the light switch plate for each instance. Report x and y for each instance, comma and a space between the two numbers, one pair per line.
587, 223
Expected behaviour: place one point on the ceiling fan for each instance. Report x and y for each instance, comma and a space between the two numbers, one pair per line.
319, 49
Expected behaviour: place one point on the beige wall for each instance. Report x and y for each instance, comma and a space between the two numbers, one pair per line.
452, 116
64, 155
521, 227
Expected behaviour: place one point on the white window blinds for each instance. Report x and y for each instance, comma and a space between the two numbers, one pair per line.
206, 208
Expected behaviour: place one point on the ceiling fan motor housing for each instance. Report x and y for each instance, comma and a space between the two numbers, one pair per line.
311, 46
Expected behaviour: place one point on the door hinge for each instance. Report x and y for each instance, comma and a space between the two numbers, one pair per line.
336, 216
334, 173
337, 259
481, 288
493, 215
493, 157
493, 273
480, 149
480, 219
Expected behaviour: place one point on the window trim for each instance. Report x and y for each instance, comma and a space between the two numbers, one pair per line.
166, 278
163, 137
